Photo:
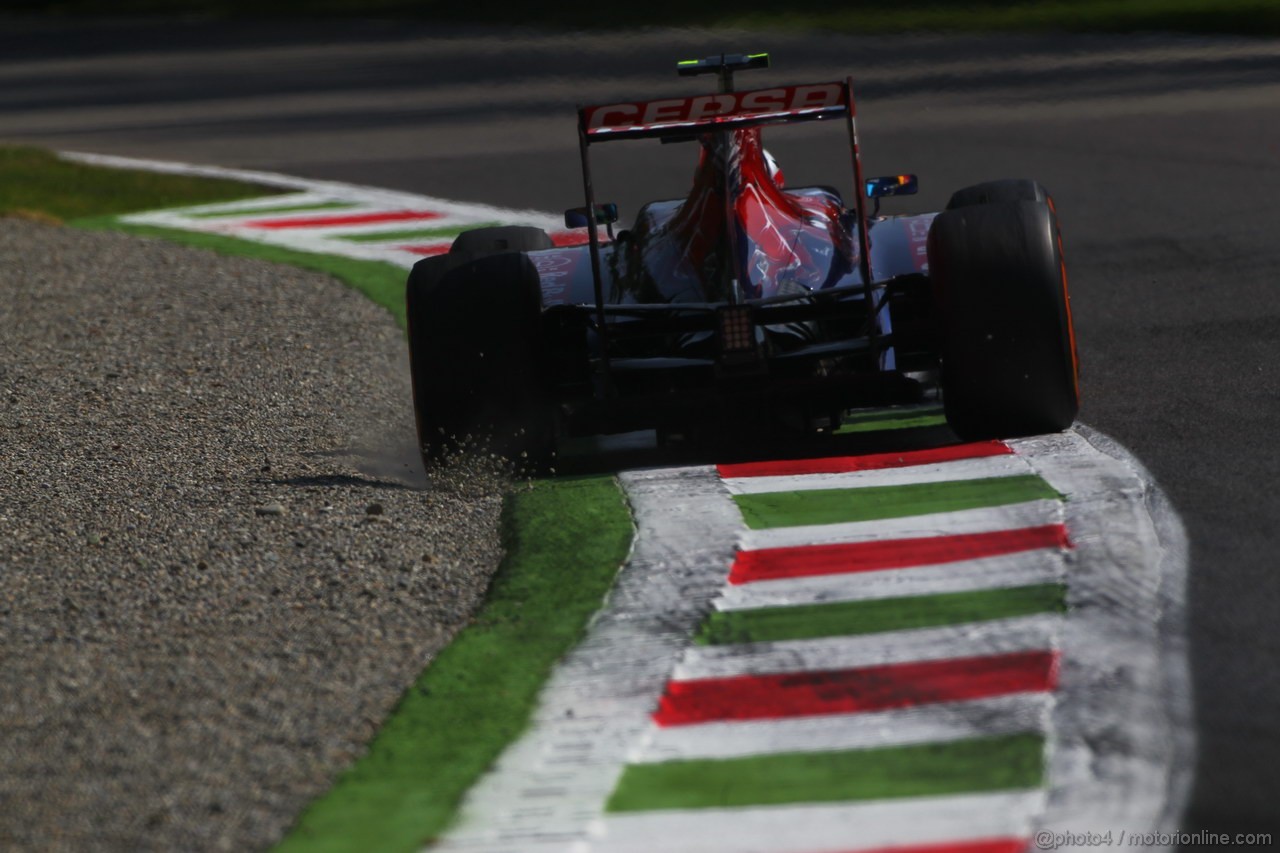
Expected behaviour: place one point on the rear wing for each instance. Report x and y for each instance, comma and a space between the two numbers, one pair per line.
724, 111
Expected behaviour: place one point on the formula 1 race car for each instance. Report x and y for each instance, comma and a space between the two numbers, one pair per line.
744, 300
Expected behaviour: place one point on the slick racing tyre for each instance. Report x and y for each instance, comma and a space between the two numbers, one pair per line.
1007, 345
476, 356
479, 242
993, 192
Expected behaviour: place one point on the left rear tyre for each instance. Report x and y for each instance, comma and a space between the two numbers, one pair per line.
477, 358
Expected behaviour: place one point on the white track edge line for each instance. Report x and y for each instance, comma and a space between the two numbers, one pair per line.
941, 722
1123, 683
598, 701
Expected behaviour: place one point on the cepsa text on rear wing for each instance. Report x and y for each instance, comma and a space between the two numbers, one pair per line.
724, 111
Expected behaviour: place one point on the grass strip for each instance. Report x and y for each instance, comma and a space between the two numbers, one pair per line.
870, 503
410, 233
1008, 762
283, 208
37, 182
564, 540
847, 618
381, 282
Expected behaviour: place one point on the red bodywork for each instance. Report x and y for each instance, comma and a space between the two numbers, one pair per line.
786, 240
782, 240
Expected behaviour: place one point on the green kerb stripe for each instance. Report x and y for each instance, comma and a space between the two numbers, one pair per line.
410, 234
286, 208
846, 618
869, 503
897, 417
1010, 762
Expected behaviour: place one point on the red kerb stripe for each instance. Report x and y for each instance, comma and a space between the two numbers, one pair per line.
353, 219
843, 691
847, 557
559, 238
869, 462
572, 238
425, 251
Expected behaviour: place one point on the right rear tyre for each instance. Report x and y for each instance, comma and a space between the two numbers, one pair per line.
995, 192
1007, 345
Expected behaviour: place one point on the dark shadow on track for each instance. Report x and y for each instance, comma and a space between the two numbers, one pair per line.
729, 449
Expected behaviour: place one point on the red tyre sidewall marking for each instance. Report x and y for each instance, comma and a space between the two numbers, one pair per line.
1066, 298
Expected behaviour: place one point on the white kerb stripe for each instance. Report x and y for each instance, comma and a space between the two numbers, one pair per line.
984, 520
253, 204
973, 639
1045, 565
937, 472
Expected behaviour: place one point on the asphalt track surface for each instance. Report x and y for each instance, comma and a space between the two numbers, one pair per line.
1163, 154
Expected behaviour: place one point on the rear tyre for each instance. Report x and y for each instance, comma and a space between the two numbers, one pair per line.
993, 192
1008, 349
479, 242
477, 360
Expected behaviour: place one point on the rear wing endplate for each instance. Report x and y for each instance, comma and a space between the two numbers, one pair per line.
724, 111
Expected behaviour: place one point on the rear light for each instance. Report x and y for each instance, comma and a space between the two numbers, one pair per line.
737, 331
736, 328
